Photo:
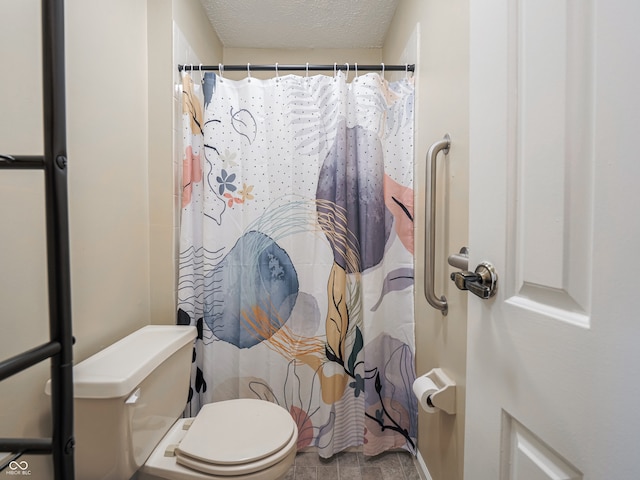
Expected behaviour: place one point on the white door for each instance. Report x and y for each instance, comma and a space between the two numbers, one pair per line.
553, 361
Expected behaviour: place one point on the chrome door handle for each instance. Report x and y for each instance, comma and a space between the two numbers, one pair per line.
483, 282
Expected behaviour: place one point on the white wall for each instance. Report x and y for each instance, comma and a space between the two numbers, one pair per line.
161, 188
440, 29
108, 192
122, 194
178, 32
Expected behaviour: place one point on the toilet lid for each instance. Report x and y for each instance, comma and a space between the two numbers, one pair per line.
231, 434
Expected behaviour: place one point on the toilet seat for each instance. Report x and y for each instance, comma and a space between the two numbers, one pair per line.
195, 460
237, 437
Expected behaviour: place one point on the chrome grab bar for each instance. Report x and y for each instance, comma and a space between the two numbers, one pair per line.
430, 231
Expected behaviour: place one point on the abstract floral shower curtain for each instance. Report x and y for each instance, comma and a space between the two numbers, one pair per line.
296, 252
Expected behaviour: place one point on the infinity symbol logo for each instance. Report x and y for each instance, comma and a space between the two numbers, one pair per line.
18, 465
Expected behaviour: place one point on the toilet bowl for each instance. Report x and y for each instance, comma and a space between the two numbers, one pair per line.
254, 440
128, 400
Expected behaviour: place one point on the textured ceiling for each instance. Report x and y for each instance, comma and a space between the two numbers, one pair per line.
301, 23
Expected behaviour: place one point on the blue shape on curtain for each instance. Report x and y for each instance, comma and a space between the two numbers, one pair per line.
251, 292
208, 87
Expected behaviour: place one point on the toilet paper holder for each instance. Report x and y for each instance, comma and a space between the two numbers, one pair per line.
445, 398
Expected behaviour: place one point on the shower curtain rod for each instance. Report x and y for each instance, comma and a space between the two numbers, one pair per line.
262, 68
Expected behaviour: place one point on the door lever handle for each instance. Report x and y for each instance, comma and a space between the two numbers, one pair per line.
483, 282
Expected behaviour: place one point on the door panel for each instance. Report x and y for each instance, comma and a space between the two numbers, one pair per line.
526, 457
552, 359
550, 101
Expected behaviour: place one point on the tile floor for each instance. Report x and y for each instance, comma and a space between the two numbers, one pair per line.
354, 466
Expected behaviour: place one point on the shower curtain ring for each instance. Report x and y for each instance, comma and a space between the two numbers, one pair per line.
307, 71
335, 71
201, 74
347, 76
382, 70
248, 72
356, 77
277, 73
221, 71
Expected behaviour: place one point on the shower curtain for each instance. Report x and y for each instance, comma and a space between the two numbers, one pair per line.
296, 252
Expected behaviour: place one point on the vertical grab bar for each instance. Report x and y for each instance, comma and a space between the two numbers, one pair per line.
430, 231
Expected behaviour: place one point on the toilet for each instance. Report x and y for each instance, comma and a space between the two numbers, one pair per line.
129, 398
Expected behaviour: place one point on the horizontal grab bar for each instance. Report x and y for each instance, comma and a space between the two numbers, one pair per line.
430, 229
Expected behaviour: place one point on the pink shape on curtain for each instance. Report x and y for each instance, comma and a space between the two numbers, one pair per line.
399, 201
191, 173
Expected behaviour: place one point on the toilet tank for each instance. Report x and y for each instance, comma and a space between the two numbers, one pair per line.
127, 396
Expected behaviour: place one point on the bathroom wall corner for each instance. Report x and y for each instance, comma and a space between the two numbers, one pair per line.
439, 31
